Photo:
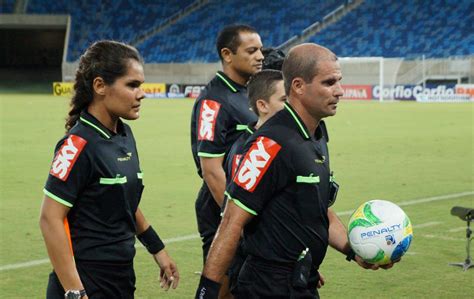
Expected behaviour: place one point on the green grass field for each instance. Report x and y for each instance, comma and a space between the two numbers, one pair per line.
400, 152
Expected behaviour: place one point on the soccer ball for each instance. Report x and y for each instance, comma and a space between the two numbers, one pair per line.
379, 232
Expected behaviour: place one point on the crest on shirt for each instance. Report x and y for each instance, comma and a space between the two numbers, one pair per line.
67, 156
207, 119
256, 162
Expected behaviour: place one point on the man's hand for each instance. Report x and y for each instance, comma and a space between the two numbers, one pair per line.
321, 280
366, 265
169, 275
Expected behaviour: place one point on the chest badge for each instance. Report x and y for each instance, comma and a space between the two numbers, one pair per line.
126, 158
320, 161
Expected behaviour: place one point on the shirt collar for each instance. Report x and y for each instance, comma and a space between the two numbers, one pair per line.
89, 120
301, 126
232, 85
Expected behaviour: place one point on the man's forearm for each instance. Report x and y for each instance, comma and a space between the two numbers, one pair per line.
215, 180
214, 176
337, 233
222, 250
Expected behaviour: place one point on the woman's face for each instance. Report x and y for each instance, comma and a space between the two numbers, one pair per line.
123, 97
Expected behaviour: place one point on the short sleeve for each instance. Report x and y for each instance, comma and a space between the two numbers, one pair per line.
262, 172
212, 128
70, 170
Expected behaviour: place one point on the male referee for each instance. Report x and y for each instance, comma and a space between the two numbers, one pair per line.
282, 190
220, 114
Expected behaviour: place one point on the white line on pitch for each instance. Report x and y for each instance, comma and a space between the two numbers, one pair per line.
457, 229
45, 261
195, 236
433, 223
444, 238
422, 200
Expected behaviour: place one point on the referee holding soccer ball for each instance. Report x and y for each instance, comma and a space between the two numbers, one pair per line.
281, 192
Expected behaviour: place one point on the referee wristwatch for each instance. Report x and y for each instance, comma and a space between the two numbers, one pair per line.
74, 294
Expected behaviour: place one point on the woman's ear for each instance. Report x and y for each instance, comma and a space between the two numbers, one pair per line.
99, 86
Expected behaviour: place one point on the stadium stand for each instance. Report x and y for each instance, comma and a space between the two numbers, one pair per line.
119, 20
193, 38
409, 28
7, 6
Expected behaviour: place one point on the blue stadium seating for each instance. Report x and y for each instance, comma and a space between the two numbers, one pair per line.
408, 28
121, 20
7, 6
193, 38
405, 28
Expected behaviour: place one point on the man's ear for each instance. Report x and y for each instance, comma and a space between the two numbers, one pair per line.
298, 85
226, 54
262, 106
99, 86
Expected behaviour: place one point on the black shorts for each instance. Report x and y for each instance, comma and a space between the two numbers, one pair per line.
208, 214
100, 280
265, 279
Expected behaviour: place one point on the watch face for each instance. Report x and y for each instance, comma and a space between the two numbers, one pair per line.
72, 294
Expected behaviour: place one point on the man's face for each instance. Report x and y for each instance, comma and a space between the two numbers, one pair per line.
277, 99
322, 94
248, 59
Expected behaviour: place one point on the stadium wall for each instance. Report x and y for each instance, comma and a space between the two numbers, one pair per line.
355, 71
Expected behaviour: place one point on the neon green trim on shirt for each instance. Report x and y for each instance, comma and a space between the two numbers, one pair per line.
95, 127
243, 207
306, 135
226, 82
140, 175
241, 127
208, 155
307, 179
113, 181
56, 198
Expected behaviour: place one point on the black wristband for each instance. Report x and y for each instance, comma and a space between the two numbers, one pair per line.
151, 240
207, 289
350, 255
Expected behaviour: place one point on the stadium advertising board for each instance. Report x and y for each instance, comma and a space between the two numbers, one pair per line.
193, 91
63, 89
465, 89
432, 93
183, 90
357, 92
154, 90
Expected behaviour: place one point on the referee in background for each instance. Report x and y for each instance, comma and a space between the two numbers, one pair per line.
220, 114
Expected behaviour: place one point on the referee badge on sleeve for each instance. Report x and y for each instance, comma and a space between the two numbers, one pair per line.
207, 119
67, 156
256, 162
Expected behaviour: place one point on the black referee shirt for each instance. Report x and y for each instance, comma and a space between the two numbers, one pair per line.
96, 173
283, 179
220, 114
236, 151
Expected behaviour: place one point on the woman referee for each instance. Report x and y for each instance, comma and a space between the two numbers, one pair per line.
90, 215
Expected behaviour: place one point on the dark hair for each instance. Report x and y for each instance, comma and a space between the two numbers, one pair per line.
106, 59
262, 86
229, 37
273, 59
